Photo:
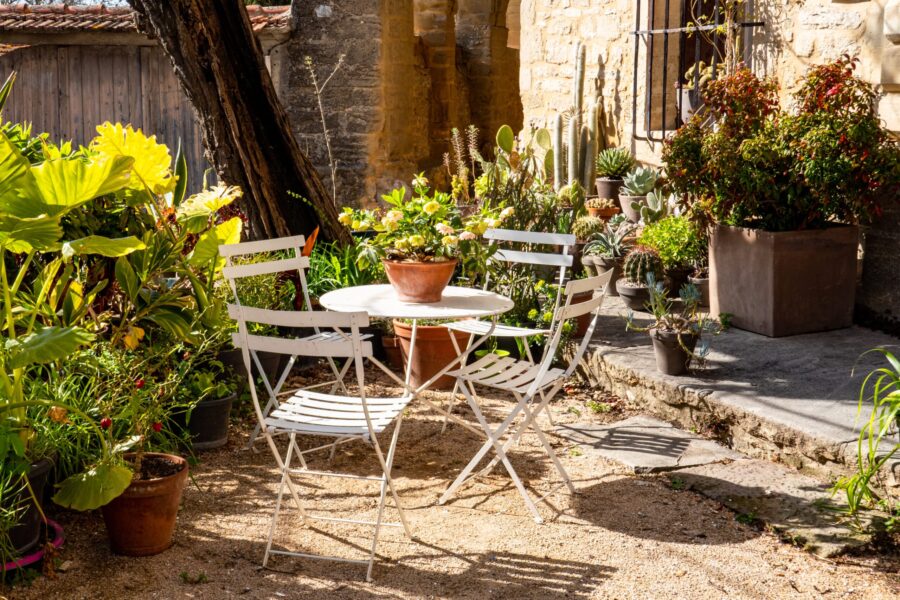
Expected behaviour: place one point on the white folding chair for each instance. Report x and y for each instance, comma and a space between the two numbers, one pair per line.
532, 386
526, 240
295, 263
307, 412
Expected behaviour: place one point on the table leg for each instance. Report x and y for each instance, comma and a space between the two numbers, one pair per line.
412, 350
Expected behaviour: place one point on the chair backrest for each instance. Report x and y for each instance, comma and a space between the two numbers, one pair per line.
297, 262
562, 260
572, 310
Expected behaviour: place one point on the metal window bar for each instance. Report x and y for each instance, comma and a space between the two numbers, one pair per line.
649, 35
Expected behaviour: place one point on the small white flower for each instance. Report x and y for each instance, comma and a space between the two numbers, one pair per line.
507, 213
467, 236
443, 229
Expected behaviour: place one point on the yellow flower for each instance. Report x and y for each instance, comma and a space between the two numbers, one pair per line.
394, 215
493, 223
401, 244
449, 240
479, 227
345, 219
133, 338
431, 207
389, 224
356, 225
416, 241
506, 213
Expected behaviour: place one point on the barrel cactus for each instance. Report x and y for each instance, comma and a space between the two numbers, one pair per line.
640, 263
640, 182
584, 227
614, 163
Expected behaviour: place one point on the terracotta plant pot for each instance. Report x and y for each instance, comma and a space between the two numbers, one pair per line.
392, 350
784, 283
671, 357
603, 213
634, 296
27, 533
420, 282
141, 521
608, 188
632, 214
434, 351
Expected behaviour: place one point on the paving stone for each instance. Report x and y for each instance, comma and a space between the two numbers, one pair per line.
646, 445
783, 499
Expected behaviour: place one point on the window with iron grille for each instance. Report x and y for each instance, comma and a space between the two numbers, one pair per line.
678, 46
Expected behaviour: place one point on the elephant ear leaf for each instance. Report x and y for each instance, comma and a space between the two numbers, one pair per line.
65, 183
94, 487
32, 233
104, 246
47, 345
207, 249
17, 190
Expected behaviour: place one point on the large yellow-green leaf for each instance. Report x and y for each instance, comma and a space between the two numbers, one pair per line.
64, 184
104, 246
152, 161
207, 249
194, 213
23, 235
16, 182
47, 345
93, 488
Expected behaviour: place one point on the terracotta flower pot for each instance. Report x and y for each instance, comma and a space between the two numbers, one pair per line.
421, 282
604, 213
671, 356
434, 351
141, 521
393, 352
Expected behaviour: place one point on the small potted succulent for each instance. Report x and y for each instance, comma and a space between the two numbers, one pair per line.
677, 327
612, 165
641, 264
680, 246
419, 239
639, 182
603, 208
606, 250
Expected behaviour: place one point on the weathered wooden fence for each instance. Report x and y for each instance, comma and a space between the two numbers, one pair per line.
68, 90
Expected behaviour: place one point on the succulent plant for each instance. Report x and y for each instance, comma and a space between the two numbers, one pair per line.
571, 195
584, 227
639, 181
655, 209
614, 163
601, 203
640, 262
609, 243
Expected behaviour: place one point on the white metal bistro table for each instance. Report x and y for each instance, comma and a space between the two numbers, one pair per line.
381, 302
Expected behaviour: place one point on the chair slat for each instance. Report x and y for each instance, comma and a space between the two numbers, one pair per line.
530, 237
265, 268
298, 318
582, 308
533, 258
335, 349
273, 245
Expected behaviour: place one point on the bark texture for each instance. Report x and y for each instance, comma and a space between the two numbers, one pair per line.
220, 65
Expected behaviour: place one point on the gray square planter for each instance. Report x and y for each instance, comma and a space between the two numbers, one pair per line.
784, 283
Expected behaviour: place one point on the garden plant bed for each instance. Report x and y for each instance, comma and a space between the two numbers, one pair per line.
619, 534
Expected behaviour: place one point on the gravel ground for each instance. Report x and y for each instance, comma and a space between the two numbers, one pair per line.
621, 536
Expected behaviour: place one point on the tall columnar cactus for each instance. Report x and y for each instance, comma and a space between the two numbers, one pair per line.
572, 151
641, 262
591, 129
558, 153
578, 103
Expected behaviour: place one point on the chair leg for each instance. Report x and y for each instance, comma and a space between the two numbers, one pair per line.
284, 478
386, 483
281, 465
452, 402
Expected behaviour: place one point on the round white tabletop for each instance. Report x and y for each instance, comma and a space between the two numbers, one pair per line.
381, 301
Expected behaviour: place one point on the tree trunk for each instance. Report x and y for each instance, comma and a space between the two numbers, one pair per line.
220, 65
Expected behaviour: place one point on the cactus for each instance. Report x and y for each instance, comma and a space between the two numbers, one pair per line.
639, 182
656, 207
591, 129
584, 227
614, 163
572, 152
557, 153
641, 262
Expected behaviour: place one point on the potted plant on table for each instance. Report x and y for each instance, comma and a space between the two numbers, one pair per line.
641, 264
784, 191
606, 250
419, 239
676, 328
639, 182
680, 247
612, 165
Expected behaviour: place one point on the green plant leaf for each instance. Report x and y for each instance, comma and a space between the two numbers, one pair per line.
31, 233
195, 212
207, 249
542, 139
127, 278
17, 190
104, 246
506, 138
548, 163
181, 172
93, 488
6, 89
64, 184
172, 321
47, 345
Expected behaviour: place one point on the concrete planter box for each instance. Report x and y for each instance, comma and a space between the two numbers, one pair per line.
784, 283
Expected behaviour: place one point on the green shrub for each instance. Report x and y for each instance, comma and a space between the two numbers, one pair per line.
676, 239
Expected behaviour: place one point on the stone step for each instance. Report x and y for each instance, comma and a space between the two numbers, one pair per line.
791, 400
